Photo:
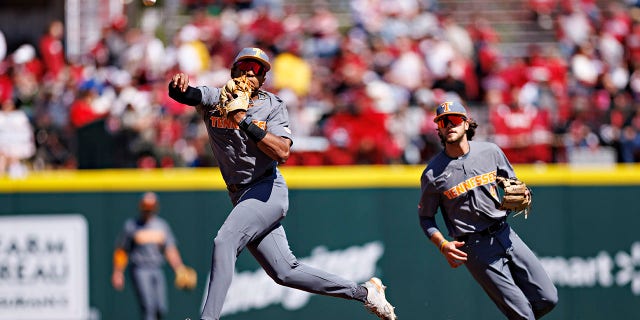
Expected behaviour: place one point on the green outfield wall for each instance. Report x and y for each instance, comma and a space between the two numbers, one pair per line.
357, 222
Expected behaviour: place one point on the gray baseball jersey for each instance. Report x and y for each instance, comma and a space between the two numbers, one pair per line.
145, 241
464, 188
241, 161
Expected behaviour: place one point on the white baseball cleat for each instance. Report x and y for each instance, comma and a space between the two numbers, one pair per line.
376, 301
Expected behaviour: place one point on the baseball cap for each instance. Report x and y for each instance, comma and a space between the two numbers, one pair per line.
149, 202
450, 108
256, 54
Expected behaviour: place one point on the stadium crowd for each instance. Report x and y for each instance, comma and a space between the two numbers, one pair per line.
361, 92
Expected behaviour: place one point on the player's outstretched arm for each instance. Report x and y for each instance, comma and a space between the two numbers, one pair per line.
179, 90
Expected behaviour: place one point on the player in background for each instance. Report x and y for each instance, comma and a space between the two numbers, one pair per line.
461, 182
144, 244
249, 145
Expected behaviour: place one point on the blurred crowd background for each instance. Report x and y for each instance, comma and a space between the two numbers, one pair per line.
361, 80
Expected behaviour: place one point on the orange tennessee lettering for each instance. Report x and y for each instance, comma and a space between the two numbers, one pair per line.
222, 123
449, 194
470, 184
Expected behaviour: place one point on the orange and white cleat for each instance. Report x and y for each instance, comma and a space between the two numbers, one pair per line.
377, 302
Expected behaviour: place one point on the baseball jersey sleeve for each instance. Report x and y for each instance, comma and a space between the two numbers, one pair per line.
278, 122
170, 239
503, 166
210, 96
428, 205
125, 238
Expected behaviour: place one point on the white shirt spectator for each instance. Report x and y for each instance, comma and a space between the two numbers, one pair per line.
16, 133
408, 63
438, 54
610, 49
16, 140
576, 27
3, 46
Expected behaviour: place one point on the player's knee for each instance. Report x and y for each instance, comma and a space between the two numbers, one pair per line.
285, 276
222, 241
229, 243
219, 241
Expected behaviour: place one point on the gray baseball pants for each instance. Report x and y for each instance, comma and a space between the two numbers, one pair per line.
254, 223
150, 287
511, 274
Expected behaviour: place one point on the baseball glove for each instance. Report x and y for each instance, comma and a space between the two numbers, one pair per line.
516, 196
186, 278
234, 96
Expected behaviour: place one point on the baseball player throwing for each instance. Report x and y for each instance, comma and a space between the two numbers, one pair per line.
461, 182
249, 138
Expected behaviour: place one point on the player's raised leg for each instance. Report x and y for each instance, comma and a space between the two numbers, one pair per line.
274, 255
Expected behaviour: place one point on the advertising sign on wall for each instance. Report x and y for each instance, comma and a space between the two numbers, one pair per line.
43, 267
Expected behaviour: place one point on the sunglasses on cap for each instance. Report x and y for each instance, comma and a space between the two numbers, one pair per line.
249, 65
453, 119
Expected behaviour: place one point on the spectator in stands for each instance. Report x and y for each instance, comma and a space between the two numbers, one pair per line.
52, 49
6, 81
82, 112
53, 145
521, 130
364, 61
291, 71
89, 126
192, 54
452, 82
25, 75
630, 142
3, 46
16, 140
324, 35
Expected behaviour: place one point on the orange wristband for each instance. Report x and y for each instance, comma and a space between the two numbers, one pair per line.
443, 243
120, 259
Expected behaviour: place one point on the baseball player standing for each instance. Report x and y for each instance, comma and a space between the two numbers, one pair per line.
144, 243
248, 146
461, 182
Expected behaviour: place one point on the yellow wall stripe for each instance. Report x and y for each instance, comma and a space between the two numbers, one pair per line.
300, 178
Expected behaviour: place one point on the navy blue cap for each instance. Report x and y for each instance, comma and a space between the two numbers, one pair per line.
450, 108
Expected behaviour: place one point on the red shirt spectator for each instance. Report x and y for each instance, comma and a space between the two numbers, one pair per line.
52, 50
522, 131
265, 28
6, 86
81, 112
515, 74
168, 131
617, 21
359, 136
632, 42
